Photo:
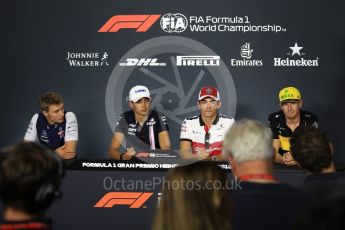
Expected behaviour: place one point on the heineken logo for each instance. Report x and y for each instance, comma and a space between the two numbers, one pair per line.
295, 58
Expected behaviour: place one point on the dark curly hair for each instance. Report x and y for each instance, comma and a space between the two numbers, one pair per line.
311, 149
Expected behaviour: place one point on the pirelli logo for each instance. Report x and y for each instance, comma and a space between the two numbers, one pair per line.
197, 60
140, 22
132, 199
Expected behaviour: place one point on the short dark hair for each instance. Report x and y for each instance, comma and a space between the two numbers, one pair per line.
48, 99
311, 149
29, 177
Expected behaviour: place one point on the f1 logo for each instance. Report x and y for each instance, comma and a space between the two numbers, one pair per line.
140, 22
133, 199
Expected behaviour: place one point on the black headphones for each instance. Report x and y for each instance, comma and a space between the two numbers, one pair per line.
49, 190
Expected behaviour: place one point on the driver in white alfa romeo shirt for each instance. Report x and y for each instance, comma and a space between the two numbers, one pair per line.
202, 136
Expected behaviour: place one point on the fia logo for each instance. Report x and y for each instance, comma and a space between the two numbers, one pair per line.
174, 23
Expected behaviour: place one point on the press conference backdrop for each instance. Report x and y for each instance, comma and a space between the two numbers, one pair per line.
250, 49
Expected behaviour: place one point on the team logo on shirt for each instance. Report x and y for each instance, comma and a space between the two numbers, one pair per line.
61, 133
220, 127
131, 131
44, 136
132, 128
151, 122
196, 132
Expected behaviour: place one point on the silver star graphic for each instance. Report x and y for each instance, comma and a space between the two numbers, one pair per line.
296, 49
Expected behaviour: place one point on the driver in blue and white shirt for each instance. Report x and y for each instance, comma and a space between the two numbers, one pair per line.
202, 136
54, 127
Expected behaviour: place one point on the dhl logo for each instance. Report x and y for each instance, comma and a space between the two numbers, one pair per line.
133, 199
140, 22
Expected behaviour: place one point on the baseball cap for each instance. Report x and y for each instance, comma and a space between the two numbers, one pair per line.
209, 91
289, 94
138, 92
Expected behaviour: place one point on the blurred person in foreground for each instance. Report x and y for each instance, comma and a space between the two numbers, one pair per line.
313, 153
30, 176
261, 202
194, 197
327, 214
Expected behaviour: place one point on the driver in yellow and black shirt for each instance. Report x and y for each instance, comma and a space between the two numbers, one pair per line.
284, 122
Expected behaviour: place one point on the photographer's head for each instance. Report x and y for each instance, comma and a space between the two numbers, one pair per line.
30, 177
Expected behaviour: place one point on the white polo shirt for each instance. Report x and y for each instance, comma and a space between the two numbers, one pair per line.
193, 129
